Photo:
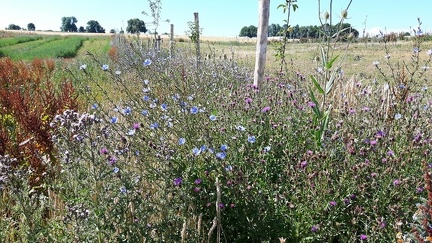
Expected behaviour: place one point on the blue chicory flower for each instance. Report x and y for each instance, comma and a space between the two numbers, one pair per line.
251, 139
127, 111
147, 62
154, 125
196, 151
221, 155
194, 110
114, 119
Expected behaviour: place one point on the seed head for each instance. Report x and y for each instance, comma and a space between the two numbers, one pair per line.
326, 15
344, 14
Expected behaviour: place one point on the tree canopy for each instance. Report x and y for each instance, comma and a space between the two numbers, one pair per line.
312, 31
94, 27
14, 27
249, 31
69, 24
31, 27
136, 26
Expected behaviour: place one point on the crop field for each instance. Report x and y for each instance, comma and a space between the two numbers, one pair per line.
106, 139
30, 47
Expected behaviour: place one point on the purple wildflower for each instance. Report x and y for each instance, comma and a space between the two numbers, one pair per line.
363, 237
178, 181
380, 134
266, 109
103, 151
303, 164
112, 160
311, 104
136, 126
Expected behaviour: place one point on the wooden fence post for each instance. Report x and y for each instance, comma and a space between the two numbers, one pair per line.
172, 41
261, 47
158, 43
197, 31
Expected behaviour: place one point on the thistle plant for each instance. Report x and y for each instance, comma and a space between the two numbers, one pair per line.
328, 74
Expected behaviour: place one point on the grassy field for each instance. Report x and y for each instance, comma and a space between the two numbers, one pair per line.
302, 57
168, 149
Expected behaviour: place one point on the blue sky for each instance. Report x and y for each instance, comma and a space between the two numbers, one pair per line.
217, 17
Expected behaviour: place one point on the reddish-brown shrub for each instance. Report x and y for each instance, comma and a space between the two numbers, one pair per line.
113, 53
29, 100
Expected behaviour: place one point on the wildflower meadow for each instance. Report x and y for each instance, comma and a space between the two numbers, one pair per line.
148, 145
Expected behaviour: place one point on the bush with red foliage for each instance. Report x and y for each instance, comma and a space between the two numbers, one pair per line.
29, 100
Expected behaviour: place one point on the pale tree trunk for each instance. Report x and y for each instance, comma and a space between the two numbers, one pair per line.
261, 47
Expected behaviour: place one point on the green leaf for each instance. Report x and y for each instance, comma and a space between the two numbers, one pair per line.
320, 90
323, 57
295, 7
284, 6
326, 121
329, 84
330, 63
281, 6
315, 109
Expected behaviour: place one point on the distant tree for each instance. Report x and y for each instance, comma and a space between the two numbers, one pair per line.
14, 27
31, 27
81, 29
274, 30
250, 31
94, 27
112, 31
136, 26
69, 24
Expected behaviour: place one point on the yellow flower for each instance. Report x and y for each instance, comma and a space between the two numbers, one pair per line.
399, 235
